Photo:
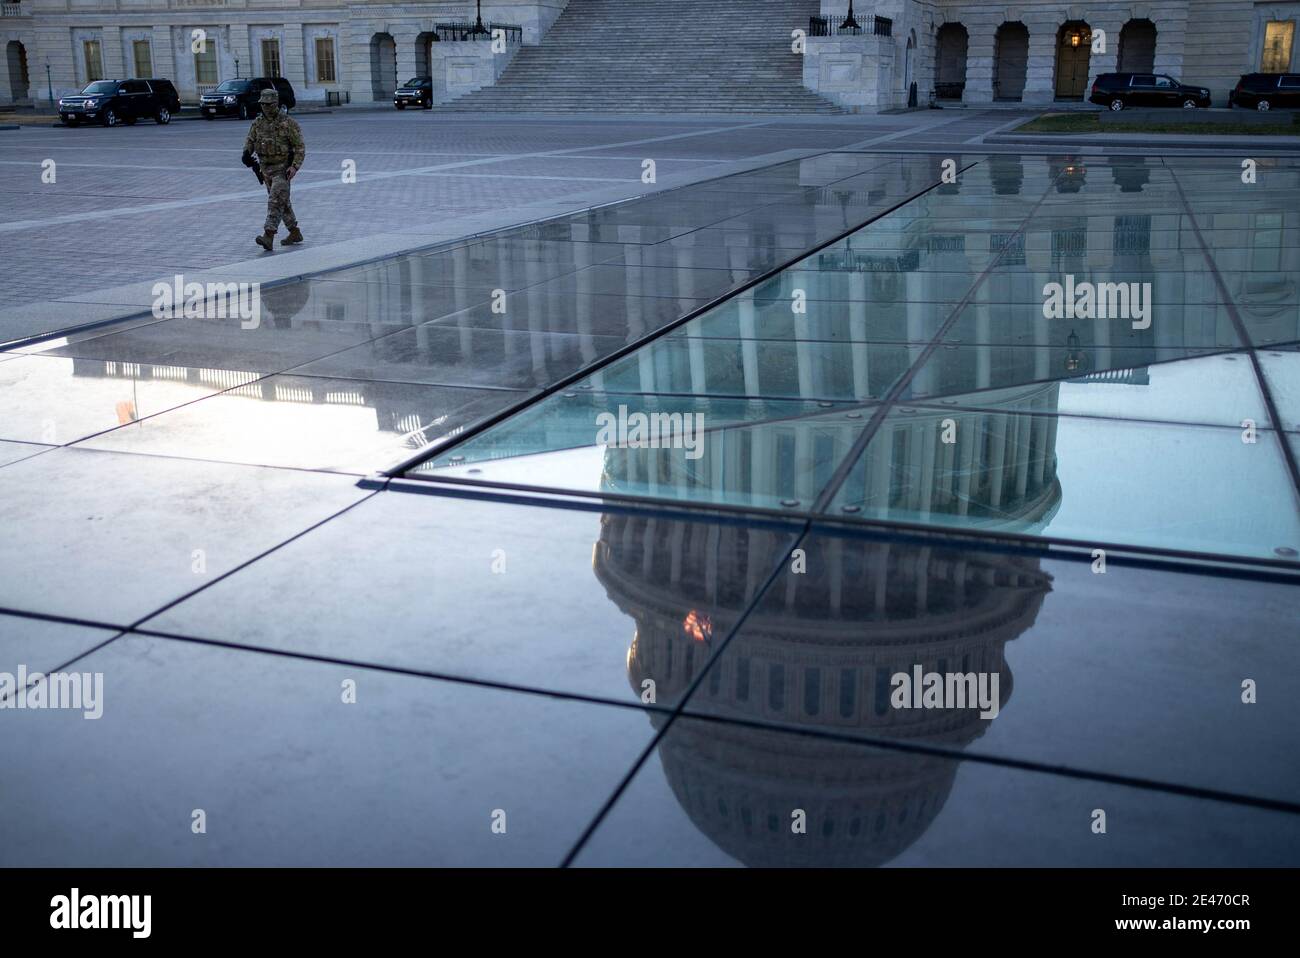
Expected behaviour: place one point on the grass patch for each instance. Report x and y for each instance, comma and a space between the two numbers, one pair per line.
1079, 122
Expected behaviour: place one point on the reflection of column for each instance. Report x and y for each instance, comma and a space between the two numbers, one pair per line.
460, 277
684, 275
636, 326
858, 335
969, 443
980, 52
917, 335
748, 345
997, 457
695, 357
984, 351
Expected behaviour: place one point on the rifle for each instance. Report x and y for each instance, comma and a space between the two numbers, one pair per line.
251, 162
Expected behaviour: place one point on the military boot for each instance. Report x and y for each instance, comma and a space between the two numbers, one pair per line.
265, 240
295, 236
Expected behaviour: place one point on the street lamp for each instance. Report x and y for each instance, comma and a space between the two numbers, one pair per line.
49, 82
479, 29
236, 68
849, 22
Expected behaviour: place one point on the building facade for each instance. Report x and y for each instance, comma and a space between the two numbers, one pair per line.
1039, 53
969, 51
358, 51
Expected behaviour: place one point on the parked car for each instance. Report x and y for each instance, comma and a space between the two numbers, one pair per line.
111, 102
239, 97
1263, 91
417, 91
1120, 90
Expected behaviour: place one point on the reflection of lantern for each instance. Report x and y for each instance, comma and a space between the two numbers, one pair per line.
1076, 360
698, 626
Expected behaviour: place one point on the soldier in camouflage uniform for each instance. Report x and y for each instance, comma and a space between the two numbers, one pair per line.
277, 141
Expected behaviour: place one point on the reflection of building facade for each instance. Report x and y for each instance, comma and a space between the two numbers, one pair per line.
816, 653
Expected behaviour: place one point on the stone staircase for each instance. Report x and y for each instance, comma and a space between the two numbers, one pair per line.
659, 56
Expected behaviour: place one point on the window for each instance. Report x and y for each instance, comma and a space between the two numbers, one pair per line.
143, 57
1147, 81
324, 60
205, 65
1164, 83
94, 62
271, 58
1278, 36
1289, 82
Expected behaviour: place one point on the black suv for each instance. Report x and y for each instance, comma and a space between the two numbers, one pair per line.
111, 102
1263, 91
239, 97
1118, 90
417, 91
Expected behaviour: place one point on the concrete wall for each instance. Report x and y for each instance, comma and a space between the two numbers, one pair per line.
460, 68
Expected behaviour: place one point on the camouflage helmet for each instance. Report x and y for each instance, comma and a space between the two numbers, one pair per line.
269, 96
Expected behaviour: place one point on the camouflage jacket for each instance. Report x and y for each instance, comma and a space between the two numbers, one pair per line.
277, 142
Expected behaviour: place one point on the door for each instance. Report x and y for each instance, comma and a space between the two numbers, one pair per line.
126, 104
142, 99
1167, 93
1074, 42
1142, 91
1288, 90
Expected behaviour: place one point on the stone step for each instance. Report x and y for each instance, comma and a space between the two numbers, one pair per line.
660, 56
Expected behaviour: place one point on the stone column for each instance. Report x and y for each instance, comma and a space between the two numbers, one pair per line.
980, 53
1106, 61
1171, 37
404, 35
1040, 73
164, 57
241, 49
294, 64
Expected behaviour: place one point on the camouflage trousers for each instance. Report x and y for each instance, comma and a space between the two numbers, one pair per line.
278, 205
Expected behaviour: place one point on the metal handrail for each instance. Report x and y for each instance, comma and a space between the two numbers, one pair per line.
868, 25
465, 30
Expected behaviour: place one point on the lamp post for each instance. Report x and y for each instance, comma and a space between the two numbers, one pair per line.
236, 68
479, 30
49, 82
849, 22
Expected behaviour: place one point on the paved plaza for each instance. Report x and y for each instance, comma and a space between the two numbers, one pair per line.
540, 515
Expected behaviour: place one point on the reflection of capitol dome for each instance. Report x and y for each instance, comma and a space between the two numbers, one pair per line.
739, 785
818, 651
994, 468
